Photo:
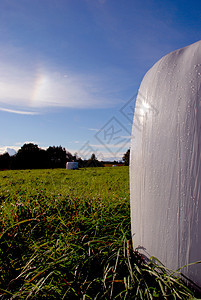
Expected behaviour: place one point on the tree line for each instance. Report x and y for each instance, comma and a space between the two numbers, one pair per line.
30, 156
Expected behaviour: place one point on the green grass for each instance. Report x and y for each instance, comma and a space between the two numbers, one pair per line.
66, 235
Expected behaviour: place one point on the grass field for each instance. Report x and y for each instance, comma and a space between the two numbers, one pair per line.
66, 235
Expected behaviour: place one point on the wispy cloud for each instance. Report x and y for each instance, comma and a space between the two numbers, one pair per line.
37, 87
93, 129
20, 112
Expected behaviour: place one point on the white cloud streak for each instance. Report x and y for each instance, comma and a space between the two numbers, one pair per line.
93, 129
20, 112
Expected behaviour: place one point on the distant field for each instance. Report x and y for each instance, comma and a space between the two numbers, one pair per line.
66, 235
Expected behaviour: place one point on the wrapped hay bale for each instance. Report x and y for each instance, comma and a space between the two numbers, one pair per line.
165, 168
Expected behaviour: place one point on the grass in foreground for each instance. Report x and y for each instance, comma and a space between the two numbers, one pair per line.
66, 235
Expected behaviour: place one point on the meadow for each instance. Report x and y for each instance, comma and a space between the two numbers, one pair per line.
65, 234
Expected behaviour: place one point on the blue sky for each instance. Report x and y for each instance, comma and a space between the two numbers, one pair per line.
68, 68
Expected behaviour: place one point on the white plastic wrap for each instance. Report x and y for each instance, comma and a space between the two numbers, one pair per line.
72, 165
165, 169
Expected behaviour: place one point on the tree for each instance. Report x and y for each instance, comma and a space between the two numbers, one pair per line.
126, 158
57, 157
30, 156
93, 162
93, 157
4, 161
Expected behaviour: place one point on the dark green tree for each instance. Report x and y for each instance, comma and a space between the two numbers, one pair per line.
126, 158
93, 162
30, 156
57, 157
93, 157
5, 161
